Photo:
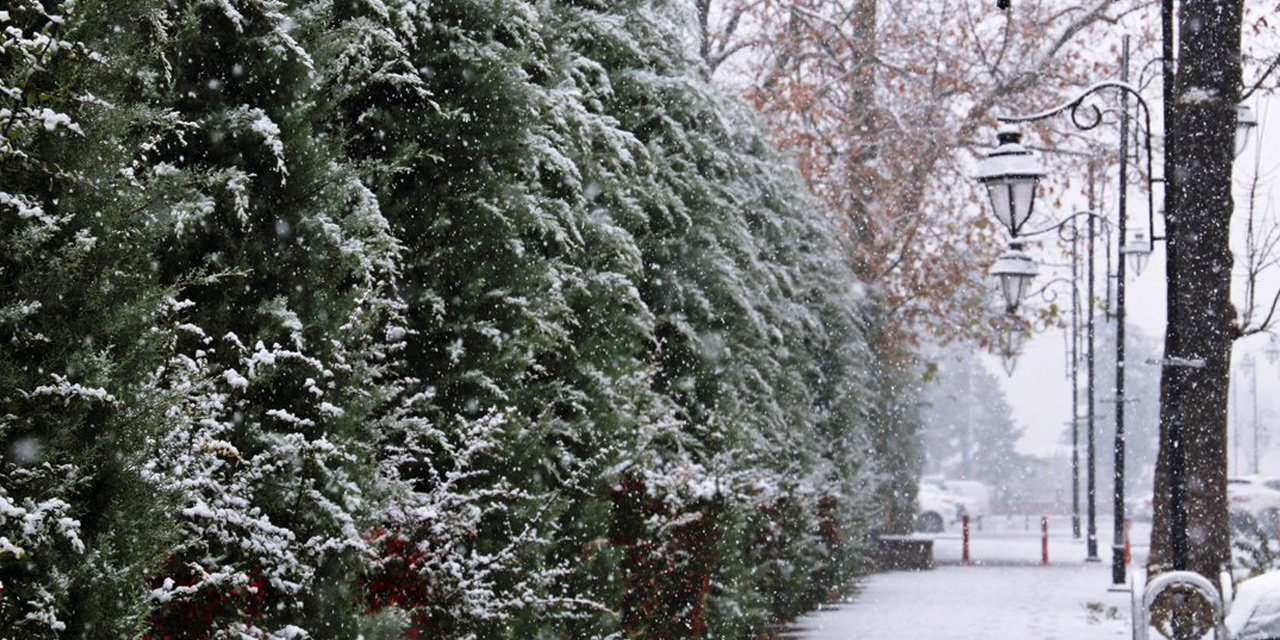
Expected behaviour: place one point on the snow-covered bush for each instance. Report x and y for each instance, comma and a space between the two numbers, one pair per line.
462, 318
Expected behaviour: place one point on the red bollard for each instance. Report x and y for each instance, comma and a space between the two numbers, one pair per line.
1128, 553
1044, 540
964, 536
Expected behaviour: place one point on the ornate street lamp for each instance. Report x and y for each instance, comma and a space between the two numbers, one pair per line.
1137, 251
1015, 270
1010, 173
996, 170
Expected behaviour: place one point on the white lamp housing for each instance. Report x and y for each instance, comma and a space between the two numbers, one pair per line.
1011, 173
1015, 270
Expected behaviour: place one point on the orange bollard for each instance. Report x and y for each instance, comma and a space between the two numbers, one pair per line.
964, 536
1128, 553
1044, 540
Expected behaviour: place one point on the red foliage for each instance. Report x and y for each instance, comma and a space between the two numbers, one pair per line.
196, 616
401, 580
667, 578
397, 583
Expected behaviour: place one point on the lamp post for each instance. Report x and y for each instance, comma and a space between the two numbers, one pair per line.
1234, 462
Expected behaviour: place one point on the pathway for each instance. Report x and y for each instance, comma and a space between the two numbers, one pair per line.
1005, 594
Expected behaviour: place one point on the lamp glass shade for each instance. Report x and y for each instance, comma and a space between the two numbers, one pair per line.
1137, 251
1138, 262
1002, 203
1011, 341
1011, 174
1014, 288
1015, 270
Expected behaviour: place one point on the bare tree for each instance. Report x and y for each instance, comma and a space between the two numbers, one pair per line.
1261, 254
883, 105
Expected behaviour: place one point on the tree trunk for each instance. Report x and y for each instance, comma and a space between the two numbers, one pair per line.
1200, 125
863, 133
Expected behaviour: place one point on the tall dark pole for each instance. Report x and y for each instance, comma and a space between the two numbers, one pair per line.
1172, 345
1091, 540
1117, 542
1075, 381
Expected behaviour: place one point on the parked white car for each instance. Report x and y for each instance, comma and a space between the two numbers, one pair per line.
1255, 496
977, 494
939, 508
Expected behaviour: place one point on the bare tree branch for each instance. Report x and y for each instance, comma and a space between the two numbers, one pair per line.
1253, 87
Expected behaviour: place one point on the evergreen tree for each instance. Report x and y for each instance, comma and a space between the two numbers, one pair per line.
283, 266
79, 308
465, 318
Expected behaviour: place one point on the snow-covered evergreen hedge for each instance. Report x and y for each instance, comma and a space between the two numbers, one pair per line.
418, 318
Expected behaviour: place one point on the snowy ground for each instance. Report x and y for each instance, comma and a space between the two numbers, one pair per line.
1006, 593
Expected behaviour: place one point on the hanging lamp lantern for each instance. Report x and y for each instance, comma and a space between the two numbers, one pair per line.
1011, 174
1137, 250
1015, 270
1012, 338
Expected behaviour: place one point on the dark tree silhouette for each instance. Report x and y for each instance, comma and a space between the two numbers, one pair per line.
1200, 121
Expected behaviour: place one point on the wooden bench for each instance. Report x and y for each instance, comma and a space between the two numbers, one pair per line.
904, 553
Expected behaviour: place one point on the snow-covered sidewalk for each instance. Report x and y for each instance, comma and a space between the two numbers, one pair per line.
1005, 594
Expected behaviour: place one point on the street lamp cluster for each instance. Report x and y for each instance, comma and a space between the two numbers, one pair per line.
1011, 174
